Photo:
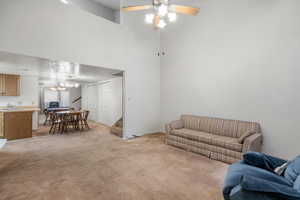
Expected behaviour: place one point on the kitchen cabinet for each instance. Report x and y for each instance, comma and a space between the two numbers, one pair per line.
16, 124
9, 85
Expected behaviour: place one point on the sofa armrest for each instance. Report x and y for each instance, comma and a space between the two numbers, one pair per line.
253, 143
281, 191
174, 125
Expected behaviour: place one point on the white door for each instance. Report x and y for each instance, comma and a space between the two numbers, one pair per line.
92, 102
107, 100
110, 101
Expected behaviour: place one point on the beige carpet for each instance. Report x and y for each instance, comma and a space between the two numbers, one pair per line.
98, 165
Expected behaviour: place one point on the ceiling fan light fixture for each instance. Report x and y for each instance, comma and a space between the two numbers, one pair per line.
149, 18
65, 1
161, 24
53, 88
61, 88
76, 85
172, 17
162, 10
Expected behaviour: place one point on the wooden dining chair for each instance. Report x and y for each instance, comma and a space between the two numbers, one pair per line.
68, 123
83, 120
73, 121
76, 120
47, 115
56, 123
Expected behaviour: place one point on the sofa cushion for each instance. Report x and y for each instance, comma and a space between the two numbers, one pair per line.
280, 191
208, 138
210, 125
234, 155
226, 142
293, 170
217, 126
238, 193
193, 135
238, 170
297, 184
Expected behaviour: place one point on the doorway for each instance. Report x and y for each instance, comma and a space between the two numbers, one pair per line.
52, 86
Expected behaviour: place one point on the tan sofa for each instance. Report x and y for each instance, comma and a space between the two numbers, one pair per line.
219, 139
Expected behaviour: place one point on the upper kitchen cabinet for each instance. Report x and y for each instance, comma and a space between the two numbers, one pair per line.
2, 82
9, 85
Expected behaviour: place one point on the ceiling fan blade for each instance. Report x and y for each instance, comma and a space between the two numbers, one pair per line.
185, 9
137, 8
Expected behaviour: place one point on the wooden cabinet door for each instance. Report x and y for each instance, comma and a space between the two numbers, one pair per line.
17, 125
2, 84
12, 85
2, 125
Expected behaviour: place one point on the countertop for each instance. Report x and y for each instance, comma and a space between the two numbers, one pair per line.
19, 109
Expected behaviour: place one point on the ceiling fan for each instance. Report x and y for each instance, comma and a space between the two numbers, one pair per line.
163, 11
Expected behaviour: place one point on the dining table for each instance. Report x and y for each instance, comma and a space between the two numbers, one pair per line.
69, 119
68, 112
58, 109
49, 110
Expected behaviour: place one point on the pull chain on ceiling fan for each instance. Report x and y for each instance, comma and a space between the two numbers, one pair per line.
163, 11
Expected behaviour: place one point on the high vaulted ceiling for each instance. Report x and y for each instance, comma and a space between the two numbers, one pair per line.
114, 4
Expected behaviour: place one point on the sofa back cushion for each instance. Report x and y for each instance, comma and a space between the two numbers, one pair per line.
217, 126
292, 172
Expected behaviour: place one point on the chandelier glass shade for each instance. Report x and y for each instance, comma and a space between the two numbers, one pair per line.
64, 86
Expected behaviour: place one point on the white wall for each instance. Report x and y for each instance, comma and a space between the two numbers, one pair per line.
64, 98
56, 31
238, 60
95, 8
